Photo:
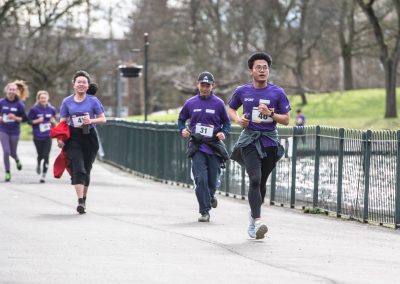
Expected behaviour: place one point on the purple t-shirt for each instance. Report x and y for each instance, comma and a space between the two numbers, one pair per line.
74, 111
207, 116
41, 131
272, 95
16, 107
300, 120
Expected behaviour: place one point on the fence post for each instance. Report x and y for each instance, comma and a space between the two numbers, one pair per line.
273, 187
243, 185
227, 167
367, 161
340, 173
316, 166
294, 158
397, 198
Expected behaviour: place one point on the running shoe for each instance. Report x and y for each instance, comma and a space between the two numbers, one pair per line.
8, 177
81, 208
19, 165
251, 229
260, 229
214, 202
205, 217
42, 180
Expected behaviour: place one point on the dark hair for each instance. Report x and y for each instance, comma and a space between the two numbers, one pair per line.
299, 110
92, 90
259, 56
79, 74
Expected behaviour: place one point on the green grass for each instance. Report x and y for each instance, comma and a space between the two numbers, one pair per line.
358, 109
26, 132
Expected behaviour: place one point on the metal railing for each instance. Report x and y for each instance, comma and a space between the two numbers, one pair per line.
345, 172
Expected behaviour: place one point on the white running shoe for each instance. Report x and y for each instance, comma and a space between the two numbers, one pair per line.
260, 229
251, 229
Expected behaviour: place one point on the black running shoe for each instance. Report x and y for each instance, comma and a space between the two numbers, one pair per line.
214, 202
19, 165
205, 217
81, 208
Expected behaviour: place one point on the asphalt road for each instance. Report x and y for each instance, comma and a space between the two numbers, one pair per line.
140, 231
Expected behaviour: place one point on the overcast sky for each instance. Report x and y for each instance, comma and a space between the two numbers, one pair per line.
121, 11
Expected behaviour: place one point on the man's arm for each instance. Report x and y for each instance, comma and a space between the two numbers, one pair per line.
233, 115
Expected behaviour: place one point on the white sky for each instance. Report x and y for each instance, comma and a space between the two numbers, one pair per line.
122, 9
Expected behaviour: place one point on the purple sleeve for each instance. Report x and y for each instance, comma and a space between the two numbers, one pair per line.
235, 101
98, 107
283, 104
224, 114
21, 109
32, 113
184, 113
64, 110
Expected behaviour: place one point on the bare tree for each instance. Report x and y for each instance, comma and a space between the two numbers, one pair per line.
389, 58
346, 39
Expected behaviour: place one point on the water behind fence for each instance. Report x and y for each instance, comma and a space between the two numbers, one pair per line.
346, 172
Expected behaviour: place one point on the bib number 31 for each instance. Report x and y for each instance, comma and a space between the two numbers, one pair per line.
206, 131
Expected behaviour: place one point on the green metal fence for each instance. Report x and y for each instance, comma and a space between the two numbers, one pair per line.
349, 173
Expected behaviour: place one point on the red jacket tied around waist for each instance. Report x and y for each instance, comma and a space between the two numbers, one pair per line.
61, 132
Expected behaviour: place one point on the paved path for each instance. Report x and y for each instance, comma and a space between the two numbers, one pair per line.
141, 231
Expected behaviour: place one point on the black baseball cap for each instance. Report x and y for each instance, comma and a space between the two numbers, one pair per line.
206, 77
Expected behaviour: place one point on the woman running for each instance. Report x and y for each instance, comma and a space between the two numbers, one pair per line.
12, 113
82, 112
42, 116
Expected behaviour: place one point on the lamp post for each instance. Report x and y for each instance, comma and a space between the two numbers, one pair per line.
127, 71
119, 95
146, 90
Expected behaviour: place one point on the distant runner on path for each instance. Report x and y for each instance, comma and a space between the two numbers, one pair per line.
209, 125
12, 113
42, 116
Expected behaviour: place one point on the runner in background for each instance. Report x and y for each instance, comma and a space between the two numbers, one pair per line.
12, 113
300, 122
42, 116
209, 124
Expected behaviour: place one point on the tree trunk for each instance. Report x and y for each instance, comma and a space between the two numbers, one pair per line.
347, 70
298, 73
390, 80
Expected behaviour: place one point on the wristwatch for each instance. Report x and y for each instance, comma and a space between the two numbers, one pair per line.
272, 114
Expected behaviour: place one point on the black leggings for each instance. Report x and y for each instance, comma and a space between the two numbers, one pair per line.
43, 148
81, 152
258, 170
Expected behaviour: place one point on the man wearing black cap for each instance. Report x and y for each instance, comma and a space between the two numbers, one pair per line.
209, 124
258, 149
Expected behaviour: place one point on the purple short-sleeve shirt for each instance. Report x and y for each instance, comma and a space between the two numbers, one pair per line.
71, 109
16, 107
205, 115
250, 98
41, 131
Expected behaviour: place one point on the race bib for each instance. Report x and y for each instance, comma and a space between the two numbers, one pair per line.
6, 119
77, 121
43, 127
258, 117
205, 130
